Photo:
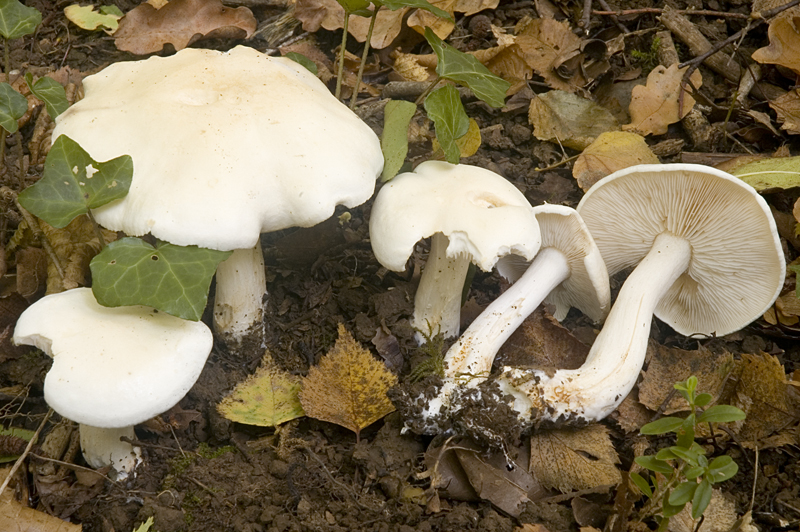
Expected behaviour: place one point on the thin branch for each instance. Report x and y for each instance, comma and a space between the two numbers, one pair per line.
25, 453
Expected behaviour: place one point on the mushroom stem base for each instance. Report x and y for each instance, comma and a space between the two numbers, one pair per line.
241, 287
103, 447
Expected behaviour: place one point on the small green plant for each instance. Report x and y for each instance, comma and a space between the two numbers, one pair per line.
648, 59
433, 364
682, 472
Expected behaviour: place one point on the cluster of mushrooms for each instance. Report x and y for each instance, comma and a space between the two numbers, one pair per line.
238, 158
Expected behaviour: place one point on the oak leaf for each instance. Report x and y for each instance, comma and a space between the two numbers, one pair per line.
787, 107
348, 387
655, 106
574, 459
784, 44
762, 392
146, 30
267, 398
611, 151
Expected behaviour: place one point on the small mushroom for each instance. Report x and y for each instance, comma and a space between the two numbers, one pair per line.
568, 271
225, 146
112, 367
709, 262
471, 214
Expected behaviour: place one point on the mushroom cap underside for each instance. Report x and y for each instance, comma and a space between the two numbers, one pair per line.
737, 267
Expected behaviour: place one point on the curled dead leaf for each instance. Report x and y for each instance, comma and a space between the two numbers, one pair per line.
146, 30
611, 151
784, 44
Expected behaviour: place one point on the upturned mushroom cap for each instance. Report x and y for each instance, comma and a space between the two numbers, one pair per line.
225, 146
481, 213
736, 268
587, 286
112, 367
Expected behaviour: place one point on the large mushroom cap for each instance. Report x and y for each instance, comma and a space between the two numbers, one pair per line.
225, 146
112, 367
737, 267
481, 213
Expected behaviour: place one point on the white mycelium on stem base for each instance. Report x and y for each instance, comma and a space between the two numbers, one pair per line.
112, 367
225, 146
709, 262
568, 270
473, 216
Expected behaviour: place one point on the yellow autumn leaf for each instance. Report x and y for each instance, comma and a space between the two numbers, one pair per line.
467, 145
267, 398
348, 387
574, 459
611, 151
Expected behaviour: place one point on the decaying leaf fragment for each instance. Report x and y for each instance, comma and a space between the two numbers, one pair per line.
568, 119
146, 30
574, 459
787, 107
348, 386
669, 365
762, 392
655, 106
267, 398
611, 151
784, 44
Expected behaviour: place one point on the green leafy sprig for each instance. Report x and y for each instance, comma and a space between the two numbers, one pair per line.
683, 473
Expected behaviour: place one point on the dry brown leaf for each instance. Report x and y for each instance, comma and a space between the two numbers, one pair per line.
542, 342
631, 415
719, 516
409, 67
568, 119
309, 48
784, 44
669, 365
145, 29
420, 19
545, 44
75, 246
611, 151
348, 386
761, 392
787, 107
574, 459
655, 106
16, 517
328, 14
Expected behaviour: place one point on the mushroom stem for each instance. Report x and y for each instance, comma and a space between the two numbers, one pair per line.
612, 366
470, 358
241, 287
437, 304
102, 447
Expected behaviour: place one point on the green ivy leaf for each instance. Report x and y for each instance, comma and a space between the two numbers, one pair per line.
721, 414
702, 496
465, 69
12, 106
85, 17
394, 141
172, 279
653, 464
683, 493
67, 190
662, 426
51, 92
309, 65
394, 5
17, 20
642, 484
450, 120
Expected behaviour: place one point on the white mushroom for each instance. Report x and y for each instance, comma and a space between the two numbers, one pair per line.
112, 367
472, 215
225, 146
568, 271
709, 262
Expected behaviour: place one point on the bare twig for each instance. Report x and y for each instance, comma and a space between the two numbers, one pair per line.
621, 26
658, 11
